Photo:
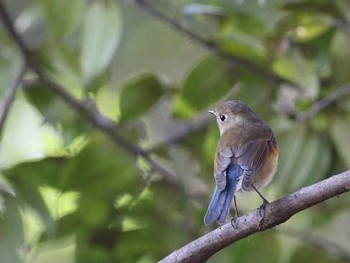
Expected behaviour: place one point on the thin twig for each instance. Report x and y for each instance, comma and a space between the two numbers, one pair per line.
92, 116
11, 97
343, 26
274, 213
214, 48
316, 241
324, 103
182, 132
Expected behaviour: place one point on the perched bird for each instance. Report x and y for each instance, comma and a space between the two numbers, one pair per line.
246, 157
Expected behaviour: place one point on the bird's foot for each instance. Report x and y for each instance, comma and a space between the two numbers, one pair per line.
234, 222
262, 208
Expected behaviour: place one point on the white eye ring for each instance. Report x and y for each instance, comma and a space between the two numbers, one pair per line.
222, 118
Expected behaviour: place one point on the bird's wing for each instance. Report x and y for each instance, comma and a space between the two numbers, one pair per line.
222, 160
252, 157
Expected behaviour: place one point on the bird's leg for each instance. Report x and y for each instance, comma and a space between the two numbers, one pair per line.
236, 208
233, 219
265, 202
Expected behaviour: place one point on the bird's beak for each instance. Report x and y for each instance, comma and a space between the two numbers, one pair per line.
211, 111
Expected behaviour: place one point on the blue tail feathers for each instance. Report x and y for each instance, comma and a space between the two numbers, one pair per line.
220, 203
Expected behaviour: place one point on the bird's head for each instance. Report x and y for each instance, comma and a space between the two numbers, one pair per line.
231, 114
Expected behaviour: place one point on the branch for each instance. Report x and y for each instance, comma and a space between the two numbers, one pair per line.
324, 103
343, 26
10, 98
94, 117
198, 125
275, 213
191, 127
214, 48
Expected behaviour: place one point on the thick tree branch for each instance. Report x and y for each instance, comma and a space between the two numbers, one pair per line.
275, 213
8, 101
91, 115
213, 47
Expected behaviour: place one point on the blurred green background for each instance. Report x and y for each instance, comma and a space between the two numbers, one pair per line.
68, 194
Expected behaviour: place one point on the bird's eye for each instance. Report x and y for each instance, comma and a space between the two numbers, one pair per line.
222, 117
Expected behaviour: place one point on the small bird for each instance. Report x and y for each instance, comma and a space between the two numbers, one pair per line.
246, 157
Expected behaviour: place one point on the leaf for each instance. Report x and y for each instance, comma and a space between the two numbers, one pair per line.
139, 94
340, 135
10, 66
243, 34
294, 67
321, 6
304, 160
55, 111
12, 234
206, 83
61, 27
101, 34
26, 180
313, 254
302, 26
340, 52
243, 45
344, 8
40, 95
290, 149
267, 248
310, 157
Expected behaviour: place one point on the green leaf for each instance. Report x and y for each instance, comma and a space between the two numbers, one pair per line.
267, 248
9, 67
305, 160
40, 95
313, 254
139, 94
303, 27
312, 161
62, 26
26, 180
206, 83
289, 153
339, 131
101, 35
55, 111
340, 52
242, 34
294, 67
344, 8
312, 6
12, 234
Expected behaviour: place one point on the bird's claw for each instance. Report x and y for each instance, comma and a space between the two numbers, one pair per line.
262, 209
233, 222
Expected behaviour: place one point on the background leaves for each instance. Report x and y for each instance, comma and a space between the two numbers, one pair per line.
67, 193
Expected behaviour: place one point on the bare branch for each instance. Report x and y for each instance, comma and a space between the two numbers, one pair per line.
214, 48
11, 97
343, 26
324, 103
94, 117
275, 213
191, 127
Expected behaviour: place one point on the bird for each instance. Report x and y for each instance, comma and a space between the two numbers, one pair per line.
246, 157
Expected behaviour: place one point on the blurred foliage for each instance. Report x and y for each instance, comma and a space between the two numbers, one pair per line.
68, 194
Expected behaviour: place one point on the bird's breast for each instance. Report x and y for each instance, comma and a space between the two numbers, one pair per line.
265, 175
